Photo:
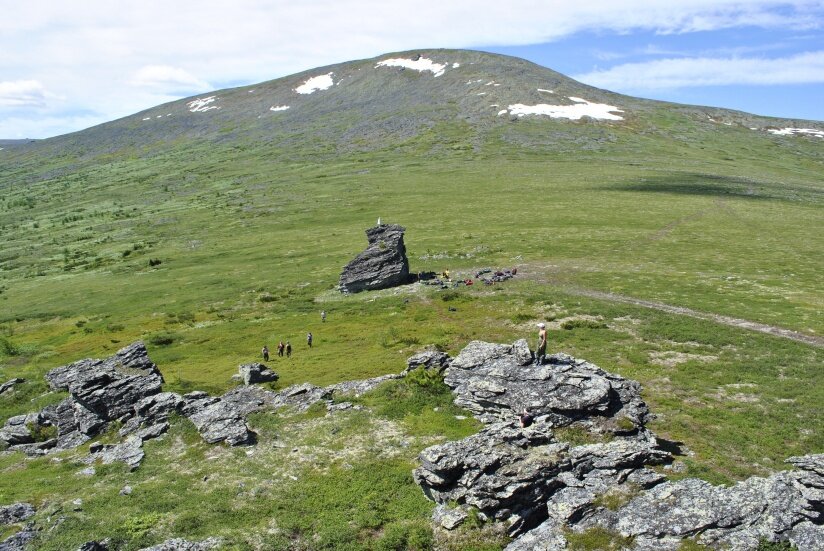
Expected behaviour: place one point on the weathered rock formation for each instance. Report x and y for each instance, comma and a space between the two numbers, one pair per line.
494, 381
16, 512
256, 373
10, 384
543, 486
427, 359
382, 265
125, 388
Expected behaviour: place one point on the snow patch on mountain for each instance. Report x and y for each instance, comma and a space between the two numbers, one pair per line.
314, 84
279, 108
581, 108
796, 131
421, 64
201, 105
544, 90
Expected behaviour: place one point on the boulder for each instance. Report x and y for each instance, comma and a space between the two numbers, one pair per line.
10, 384
218, 420
21, 540
17, 512
382, 265
256, 373
427, 359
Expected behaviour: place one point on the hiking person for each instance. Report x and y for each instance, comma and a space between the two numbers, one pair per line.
281, 346
541, 353
525, 418
323, 315
265, 353
309, 339
288, 349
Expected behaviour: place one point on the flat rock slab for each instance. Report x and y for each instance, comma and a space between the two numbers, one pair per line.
495, 381
180, 544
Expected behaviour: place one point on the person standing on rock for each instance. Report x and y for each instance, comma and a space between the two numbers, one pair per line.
265, 353
288, 349
281, 346
541, 353
309, 339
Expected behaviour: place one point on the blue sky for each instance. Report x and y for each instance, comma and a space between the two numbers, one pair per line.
709, 65
65, 66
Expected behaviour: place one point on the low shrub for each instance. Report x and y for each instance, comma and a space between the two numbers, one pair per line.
582, 323
163, 339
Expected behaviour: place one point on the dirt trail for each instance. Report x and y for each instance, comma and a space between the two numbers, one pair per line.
726, 320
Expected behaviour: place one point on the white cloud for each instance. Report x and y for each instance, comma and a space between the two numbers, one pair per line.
165, 77
22, 93
706, 71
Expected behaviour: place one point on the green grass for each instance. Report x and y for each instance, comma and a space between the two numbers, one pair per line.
251, 230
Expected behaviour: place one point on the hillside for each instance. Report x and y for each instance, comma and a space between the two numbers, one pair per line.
210, 226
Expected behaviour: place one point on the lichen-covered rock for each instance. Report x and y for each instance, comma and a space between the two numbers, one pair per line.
180, 544
129, 452
428, 359
10, 384
16, 512
21, 540
357, 388
218, 421
382, 265
256, 373
16, 430
737, 517
509, 473
494, 381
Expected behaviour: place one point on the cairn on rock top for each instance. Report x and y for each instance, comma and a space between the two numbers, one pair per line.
382, 265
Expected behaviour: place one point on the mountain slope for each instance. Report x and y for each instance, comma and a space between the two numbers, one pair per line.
385, 101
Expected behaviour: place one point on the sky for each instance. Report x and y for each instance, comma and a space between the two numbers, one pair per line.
66, 66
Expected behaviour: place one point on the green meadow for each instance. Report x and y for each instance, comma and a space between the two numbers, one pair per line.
251, 240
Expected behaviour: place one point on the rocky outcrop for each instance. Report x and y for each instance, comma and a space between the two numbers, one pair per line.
10, 384
256, 373
382, 265
180, 544
21, 540
16, 512
494, 381
218, 420
126, 388
100, 391
544, 487
427, 359
508, 473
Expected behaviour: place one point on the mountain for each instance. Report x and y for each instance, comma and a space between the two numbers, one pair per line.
385, 102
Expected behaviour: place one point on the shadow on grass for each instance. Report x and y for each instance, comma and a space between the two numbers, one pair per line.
674, 447
713, 185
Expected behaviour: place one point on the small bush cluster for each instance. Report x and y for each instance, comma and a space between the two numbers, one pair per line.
163, 339
582, 323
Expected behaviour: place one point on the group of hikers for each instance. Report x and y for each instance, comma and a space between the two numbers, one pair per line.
525, 417
286, 348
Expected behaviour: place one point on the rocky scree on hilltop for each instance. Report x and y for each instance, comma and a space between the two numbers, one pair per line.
544, 487
382, 265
